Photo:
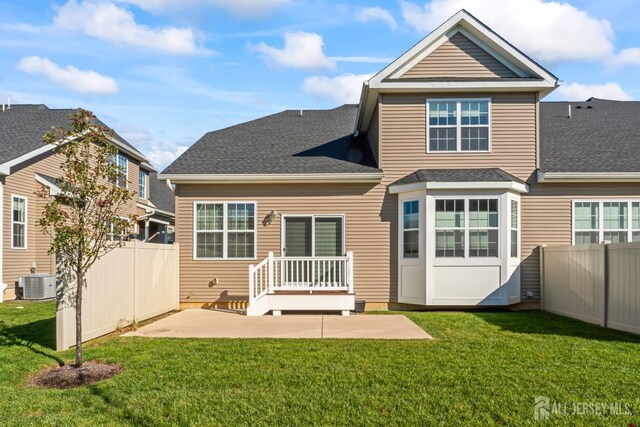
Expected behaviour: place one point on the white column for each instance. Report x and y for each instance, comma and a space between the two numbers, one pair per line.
146, 230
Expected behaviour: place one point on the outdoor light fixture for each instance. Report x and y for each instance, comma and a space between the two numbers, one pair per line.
270, 216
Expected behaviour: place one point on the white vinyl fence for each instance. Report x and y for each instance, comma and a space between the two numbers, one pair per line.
129, 284
599, 284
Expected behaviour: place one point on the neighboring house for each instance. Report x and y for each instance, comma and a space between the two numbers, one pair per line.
435, 190
27, 165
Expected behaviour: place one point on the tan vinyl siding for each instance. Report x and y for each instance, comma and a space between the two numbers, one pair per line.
546, 219
373, 135
368, 218
21, 182
17, 262
459, 57
403, 139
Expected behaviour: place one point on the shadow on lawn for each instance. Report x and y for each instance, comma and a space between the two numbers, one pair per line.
41, 333
539, 322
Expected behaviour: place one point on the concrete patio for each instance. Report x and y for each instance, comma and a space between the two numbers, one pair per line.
198, 323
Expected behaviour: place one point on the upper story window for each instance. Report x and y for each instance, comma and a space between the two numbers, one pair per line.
18, 222
458, 125
142, 184
123, 165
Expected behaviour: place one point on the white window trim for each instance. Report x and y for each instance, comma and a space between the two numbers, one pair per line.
26, 221
466, 227
458, 125
146, 184
313, 230
409, 229
225, 230
601, 229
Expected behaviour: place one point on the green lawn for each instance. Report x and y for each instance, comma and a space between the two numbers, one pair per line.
481, 368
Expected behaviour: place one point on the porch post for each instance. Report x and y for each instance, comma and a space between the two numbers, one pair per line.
350, 271
146, 230
270, 274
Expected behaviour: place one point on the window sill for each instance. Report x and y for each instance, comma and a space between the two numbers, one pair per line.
459, 152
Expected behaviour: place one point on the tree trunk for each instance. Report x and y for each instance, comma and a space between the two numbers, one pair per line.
79, 286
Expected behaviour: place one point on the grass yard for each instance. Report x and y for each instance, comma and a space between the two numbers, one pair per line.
481, 368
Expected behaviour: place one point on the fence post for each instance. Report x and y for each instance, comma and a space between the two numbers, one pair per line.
541, 260
605, 312
135, 281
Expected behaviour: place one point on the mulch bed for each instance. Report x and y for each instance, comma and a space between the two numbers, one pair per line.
69, 376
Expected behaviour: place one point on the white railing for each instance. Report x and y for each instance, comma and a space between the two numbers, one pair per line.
301, 274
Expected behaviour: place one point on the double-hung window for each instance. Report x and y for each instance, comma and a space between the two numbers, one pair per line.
123, 168
467, 228
224, 230
450, 228
515, 228
458, 125
411, 229
483, 228
615, 221
142, 184
18, 222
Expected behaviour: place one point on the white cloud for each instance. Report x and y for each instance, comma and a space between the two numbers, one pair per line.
160, 152
377, 14
240, 8
362, 59
625, 57
109, 22
301, 50
81, 81
581, 92
550, 31
344, 89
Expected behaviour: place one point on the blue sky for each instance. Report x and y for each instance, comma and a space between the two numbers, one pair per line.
162, 75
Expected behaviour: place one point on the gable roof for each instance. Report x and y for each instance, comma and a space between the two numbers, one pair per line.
530, 75
285, 143
601, 136
23, 126
160, 195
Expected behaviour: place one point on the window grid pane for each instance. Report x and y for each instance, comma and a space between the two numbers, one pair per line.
411, 226
442, 113
449, 220
443, 139
209, 217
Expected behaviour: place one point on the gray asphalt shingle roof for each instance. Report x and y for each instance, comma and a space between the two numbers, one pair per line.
319, 141
160, 195
600, 136
23, 125
457, 175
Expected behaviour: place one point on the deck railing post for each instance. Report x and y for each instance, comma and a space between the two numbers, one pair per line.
251, 285
270, 274
350, 271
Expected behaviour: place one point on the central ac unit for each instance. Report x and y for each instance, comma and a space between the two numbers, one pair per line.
38, 286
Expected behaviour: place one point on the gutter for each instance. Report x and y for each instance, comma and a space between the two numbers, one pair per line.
272, 178
587, 177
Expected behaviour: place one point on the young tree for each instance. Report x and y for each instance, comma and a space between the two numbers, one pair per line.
86, 220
